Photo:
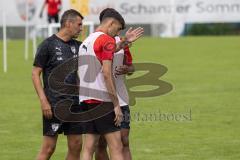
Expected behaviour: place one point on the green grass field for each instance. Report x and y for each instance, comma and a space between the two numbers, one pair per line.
204, 72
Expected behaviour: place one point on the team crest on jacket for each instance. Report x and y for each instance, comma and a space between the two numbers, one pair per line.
73, 49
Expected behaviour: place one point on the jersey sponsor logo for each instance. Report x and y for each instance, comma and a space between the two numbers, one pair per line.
109, 47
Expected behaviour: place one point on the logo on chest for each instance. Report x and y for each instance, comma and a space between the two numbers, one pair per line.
59, 53
73, 49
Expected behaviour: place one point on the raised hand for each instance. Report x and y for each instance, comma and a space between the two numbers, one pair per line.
133, 34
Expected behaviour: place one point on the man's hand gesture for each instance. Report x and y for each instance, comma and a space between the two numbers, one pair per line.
133, 34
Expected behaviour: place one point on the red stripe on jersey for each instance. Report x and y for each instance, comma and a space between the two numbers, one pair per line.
92, 101
127, 56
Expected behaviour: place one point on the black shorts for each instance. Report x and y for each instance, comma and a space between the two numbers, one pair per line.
54, 126
100, 125
125, 124
53, 18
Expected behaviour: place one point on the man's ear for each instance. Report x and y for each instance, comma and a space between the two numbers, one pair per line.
67, 24
111, 22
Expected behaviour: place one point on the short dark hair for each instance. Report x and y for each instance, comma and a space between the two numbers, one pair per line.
69, 15
112, 13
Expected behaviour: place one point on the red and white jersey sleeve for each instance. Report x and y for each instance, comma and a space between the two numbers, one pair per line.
104, 47
127, 56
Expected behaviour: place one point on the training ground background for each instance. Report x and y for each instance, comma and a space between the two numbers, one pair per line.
204, 73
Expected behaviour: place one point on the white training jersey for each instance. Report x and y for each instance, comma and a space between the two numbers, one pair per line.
92, 83
120, 79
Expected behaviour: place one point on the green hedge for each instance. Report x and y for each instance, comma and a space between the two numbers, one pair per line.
212, 29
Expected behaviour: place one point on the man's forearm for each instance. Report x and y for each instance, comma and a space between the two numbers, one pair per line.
110, 85
111, 89
121, 45
38, 86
